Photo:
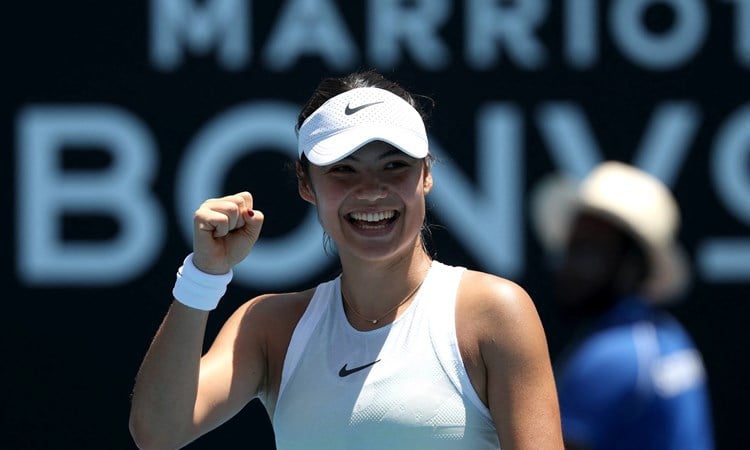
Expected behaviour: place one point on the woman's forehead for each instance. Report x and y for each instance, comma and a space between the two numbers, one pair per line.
376, 150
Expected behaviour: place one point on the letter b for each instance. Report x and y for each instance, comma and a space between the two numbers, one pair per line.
45, 191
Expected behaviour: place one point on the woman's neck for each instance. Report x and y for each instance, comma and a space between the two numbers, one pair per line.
372, 288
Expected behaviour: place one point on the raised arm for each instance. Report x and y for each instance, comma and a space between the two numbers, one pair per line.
180, 394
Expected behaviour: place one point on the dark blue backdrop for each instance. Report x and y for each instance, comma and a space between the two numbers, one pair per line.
521, 88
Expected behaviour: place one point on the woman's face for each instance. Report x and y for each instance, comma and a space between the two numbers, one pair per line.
372, 203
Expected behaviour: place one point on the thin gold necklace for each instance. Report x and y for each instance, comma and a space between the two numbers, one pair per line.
374, 321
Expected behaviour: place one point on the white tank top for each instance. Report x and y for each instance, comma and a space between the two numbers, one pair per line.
402, 386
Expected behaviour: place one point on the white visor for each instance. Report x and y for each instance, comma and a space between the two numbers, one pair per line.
354, 118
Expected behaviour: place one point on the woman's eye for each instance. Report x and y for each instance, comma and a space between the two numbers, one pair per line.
341, 168
396, 164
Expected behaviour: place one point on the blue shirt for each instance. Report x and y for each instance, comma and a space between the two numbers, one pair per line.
636, 381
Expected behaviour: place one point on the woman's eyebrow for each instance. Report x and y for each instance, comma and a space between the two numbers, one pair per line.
391, 152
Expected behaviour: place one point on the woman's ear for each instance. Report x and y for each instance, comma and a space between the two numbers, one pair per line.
303, 185
427, 179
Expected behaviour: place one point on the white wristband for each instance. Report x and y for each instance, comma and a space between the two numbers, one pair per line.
197, 289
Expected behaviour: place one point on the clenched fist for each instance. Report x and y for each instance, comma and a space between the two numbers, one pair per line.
224, 231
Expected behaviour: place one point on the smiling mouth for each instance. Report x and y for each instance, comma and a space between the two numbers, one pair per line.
372, 220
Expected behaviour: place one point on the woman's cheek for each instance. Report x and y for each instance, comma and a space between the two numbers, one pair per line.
328, 214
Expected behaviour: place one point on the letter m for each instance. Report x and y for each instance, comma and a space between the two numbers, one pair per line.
177, 25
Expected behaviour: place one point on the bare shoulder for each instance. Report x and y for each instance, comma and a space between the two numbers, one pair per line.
271, 314
498, 317
489, 298
278, 306
495, 318
257, 334
505, 354
499, 332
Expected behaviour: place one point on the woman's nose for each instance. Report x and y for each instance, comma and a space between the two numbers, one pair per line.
371, 189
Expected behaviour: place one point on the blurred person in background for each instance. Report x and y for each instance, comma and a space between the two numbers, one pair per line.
631, 377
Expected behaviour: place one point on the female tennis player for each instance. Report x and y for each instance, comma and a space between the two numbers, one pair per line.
400, 351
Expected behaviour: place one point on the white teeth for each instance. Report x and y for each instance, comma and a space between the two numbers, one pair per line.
373, 217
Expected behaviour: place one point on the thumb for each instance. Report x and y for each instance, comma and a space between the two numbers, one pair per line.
243, 239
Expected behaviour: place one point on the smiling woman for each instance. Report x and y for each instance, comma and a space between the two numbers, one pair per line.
376, 192
400, 351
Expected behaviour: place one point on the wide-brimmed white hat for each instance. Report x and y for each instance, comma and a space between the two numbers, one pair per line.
629, 198
356, 117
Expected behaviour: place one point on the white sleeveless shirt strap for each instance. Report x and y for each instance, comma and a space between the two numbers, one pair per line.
445, 339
